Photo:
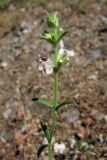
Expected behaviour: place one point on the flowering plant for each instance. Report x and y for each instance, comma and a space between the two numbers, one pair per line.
49, 66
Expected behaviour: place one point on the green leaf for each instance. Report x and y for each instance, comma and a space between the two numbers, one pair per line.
54, 37
43, 101
60, 35
64, 103
46, 35
45, 130
41, 149
49, 37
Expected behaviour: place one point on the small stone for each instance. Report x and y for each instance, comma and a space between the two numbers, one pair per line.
104, 20
73, 117
92, 77
25, 25
22, 9
7, 113
3, 64
5, 137
105, 118
24, 129
25, 31
17, 55
95, 54
12, 7
101, 138
73, 142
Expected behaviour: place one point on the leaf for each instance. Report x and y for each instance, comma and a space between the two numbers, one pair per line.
41, 149
45, 130
61, 34
64, 103
43, 101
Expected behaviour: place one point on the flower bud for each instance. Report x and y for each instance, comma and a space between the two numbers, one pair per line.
52, 21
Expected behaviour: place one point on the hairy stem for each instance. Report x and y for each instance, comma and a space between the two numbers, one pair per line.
54, 113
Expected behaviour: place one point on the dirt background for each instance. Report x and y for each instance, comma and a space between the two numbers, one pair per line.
82, 126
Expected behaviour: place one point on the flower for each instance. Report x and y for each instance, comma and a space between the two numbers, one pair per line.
64, 52
63, 56
46, 65
59, 148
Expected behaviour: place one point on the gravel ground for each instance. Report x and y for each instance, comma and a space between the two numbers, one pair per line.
82, 126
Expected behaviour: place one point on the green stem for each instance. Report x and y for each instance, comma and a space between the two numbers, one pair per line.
54, 113
50, 151
55, 80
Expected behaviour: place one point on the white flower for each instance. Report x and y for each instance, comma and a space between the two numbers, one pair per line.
46, 65
65, 52
59, 148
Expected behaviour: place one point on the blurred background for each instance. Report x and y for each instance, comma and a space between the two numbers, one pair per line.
82, 126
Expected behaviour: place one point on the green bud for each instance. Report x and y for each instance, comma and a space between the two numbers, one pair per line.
47, 36
52, 21
61, 63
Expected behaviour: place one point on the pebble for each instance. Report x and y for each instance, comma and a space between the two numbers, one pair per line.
3, 64
95, 54
23, 129
22, 9
72, 144
25, 25
7, 113
105, 118
92, 77
104, 20
73, 117
101, 138
12, 7
5, 137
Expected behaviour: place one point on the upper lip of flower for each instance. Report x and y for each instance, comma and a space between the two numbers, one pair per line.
65, 52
